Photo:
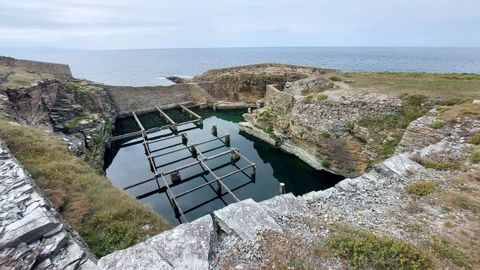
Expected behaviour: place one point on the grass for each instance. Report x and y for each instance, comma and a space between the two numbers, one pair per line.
106, 218
475, 139
447, 250
325, 163
421, 188
410, 110
21, 78
322, 97
448, 86
475, 157
432, 163
363, 249
461, 111
335, 79
437, 124
461, 200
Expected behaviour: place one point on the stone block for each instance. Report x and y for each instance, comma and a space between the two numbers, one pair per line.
245, 219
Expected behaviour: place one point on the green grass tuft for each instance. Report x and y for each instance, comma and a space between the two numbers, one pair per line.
335, 79
475, 157
421, 188
437, 125
437, 165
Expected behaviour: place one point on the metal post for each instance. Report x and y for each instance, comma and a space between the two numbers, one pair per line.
254, 172
281, 188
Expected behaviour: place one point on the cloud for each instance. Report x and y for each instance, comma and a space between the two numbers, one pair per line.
213, 23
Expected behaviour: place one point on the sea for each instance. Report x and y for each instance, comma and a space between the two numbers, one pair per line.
151, 66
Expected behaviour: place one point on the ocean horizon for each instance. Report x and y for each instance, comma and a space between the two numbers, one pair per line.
144, 67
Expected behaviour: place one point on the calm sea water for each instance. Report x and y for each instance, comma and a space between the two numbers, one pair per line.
149, 67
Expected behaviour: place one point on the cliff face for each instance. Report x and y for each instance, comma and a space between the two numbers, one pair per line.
323, 128
248, 83
80, 110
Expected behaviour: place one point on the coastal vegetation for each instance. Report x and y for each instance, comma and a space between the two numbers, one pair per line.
106, 217
452, 87
421, 188
366, 250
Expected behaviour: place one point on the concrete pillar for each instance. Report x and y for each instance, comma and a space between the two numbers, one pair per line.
184, 139
175, 176
193, 150
234, 157
281, 188
214, 130
227, 139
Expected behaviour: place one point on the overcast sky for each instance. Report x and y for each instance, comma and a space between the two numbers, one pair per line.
128, 24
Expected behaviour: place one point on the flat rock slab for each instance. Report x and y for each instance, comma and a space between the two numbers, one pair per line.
400, 165
187, 246
285, 205
245, 219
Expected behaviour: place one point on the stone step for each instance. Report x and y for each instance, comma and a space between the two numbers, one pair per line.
187, 246
245, 219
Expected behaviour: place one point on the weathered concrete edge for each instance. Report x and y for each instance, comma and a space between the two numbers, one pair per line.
45, 208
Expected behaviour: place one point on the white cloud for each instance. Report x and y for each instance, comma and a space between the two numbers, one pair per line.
189, 23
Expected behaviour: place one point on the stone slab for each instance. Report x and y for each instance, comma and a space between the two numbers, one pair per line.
245, 219
187, 246
285, 205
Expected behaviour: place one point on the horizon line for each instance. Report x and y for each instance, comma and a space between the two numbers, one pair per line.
232, 47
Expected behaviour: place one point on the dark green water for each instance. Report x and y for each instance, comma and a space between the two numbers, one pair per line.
126, 164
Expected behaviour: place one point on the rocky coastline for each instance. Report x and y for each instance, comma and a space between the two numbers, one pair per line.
411, 161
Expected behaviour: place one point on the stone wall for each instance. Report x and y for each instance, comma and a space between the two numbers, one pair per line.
36, 66
33, 235
129, 98
273, 94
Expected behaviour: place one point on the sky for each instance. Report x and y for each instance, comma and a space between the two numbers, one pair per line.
137, 24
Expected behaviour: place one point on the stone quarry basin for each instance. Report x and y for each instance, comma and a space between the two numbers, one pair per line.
126, 164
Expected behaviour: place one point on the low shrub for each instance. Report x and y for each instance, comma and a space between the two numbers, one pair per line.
363, 249
475, 139
325, 163
421, 188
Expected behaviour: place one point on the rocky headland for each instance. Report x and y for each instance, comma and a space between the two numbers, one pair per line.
408, 144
